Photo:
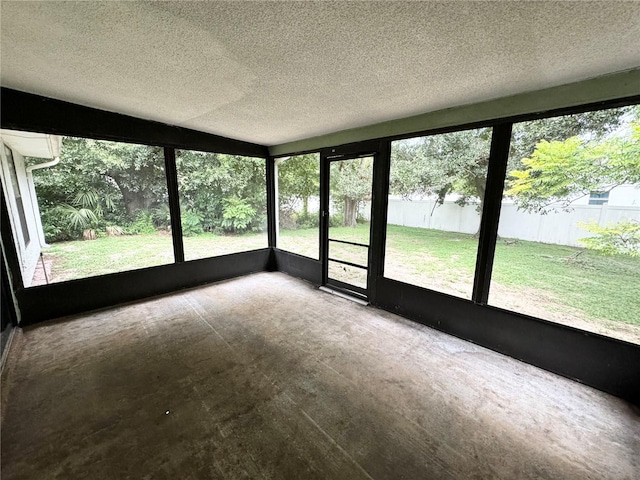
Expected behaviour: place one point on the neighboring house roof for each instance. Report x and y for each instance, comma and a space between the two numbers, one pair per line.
30, 144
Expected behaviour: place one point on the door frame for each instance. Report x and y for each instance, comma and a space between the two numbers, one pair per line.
327, 156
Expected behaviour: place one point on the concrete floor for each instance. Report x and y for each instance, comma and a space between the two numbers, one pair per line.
266, 377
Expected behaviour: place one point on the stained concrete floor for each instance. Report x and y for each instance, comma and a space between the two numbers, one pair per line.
266, 377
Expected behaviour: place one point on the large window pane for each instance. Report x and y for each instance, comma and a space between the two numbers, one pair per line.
223, 203
102, 209
569, 246
436, 195
298, 180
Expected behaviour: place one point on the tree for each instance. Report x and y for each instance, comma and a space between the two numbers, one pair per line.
622, 238
350, 185
457, 162
136, 170
441, 164
298, 180
228, 192
559, 172
130, 176
124, 184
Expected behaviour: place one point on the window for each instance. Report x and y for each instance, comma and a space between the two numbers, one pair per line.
598, 198
103, 209
298, 197
436, 195
558, 256
22, 219
223, 203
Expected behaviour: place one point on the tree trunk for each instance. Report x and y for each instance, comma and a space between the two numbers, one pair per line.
305, 206
480, 183
133, 199
350, 212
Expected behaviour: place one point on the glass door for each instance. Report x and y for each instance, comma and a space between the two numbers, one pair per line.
347, 223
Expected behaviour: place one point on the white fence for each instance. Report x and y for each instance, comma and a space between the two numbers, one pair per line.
559, 228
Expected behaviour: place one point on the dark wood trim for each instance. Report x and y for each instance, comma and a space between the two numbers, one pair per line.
349, 243
174, 203
603, 105
299, 266
348, 289
500, 144
324, 216
34, 113
379, 211
67, 298
604, 363
271, 201
8, 310
10, 253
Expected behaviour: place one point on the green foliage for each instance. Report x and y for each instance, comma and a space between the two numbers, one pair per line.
622, 238
162, 216
238, 214
191, 225
350, 185
596, 125
298, 180
143, 224
98, 183
79, 218
68, 221
299, 177
441, 164
559, 172
308, 220
57, 227
228, 192
457, 162
117, 181
336, 220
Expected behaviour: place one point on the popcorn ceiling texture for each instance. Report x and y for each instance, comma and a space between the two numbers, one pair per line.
272, 73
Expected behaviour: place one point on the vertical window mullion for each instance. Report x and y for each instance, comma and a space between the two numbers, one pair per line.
271, 201
500, 143
174, 203
379, 216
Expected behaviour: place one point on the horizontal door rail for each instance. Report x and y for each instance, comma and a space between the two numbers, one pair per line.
348, 263
347, 288
350, 243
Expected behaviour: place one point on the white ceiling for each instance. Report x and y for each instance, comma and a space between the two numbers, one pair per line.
272, 73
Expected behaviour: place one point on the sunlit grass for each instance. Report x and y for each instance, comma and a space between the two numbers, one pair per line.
81, 259
599, 287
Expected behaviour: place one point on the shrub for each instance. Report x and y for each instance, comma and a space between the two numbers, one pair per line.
307, 220
161, 216
336, 220
191, 223
238, 215
142, 225
621, 238
58, 227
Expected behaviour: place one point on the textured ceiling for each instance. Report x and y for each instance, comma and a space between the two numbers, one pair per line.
277, 72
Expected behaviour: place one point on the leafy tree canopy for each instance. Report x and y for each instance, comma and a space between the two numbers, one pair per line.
559, 172
457, 162
350, 184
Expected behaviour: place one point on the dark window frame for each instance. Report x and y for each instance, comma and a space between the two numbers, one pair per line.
605, 363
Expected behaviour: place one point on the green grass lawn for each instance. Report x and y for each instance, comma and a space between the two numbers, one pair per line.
589, 284
80, 259
544, 280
